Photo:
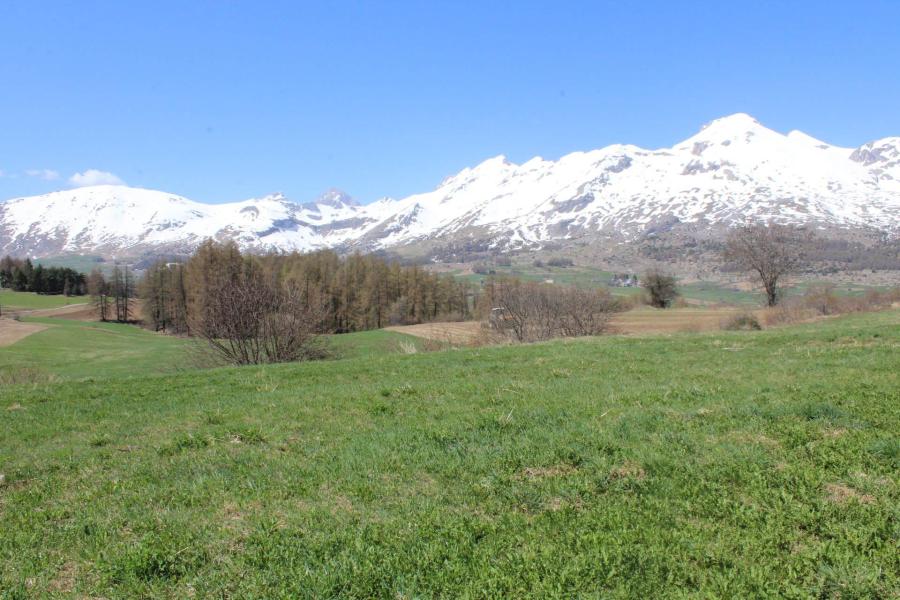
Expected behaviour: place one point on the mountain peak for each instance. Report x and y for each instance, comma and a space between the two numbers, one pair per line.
336, 198
733, 170
739, 129
736, 122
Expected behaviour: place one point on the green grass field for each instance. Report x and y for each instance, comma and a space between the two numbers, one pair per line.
78, 262
730, 465
27, 300
78, 349
704, 291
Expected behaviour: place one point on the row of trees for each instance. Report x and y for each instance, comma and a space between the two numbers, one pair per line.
271, 307
113, 297
23, 276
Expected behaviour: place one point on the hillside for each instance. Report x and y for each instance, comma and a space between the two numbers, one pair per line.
720, 465
733, 170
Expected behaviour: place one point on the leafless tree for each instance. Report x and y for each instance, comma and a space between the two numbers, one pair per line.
252, 320
534, 311
771, 251
98, 288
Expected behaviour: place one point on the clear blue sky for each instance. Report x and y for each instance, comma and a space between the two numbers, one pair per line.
222, 101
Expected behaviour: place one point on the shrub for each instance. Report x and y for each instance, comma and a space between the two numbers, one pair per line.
533, 311
742, 322
660, 288
560, 262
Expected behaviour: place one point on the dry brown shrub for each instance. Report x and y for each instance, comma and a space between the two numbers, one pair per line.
741, 322
842, 494
628, 470
531, 312
787, 313
25, 376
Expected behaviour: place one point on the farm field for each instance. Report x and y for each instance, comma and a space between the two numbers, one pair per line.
695, 292
723, 464
78, 262
28, 300
641, 320
591, 277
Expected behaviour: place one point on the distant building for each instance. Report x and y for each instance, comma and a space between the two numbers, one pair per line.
624, 280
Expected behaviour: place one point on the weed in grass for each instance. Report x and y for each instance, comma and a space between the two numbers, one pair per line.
159, 555
887, 449
183, 442
246, 435
100, 441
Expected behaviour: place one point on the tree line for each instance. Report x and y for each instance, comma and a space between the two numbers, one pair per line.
351, 293
22, 276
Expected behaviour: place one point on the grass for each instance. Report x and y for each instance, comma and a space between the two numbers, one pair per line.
29, 300
705, 291
758, 464
78, 349
590, 277
377, 342
78, 262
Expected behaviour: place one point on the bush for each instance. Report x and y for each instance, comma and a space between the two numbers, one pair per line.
533, 311
821, 300
660, 288
560, 262
742, 322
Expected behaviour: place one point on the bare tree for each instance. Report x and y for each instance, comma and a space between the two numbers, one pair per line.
534, 311
250, 319
660, 287
98, 289
771, 251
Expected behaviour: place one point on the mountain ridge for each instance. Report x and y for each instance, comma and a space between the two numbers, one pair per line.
733, 170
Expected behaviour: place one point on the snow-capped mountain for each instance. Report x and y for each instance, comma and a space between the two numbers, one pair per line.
732, 171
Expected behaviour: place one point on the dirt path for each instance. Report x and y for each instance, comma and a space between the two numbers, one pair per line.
12, 331
75, 312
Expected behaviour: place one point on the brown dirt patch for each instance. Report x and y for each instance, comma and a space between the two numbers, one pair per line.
642, 320
12, 331
646, 320
842, 494
453, 333
65, 579
63, 312
629, 470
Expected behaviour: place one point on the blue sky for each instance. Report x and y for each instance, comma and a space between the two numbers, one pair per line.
222, 101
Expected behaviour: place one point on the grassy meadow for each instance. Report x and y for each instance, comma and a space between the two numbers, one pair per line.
71, 349
726, 464
711, 292
31, 301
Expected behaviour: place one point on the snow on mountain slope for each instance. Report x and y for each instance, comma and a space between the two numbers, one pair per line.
733, 170
117, 219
